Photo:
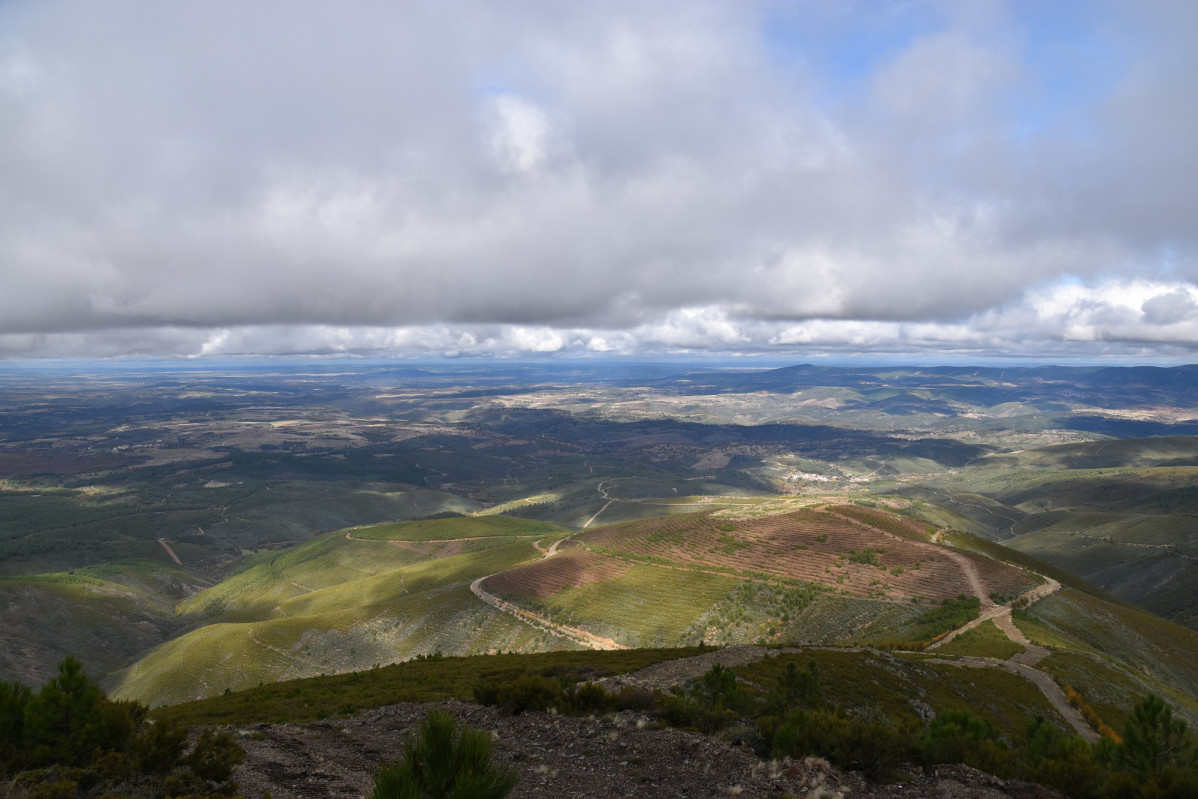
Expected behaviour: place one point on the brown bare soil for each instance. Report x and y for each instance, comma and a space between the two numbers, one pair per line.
543, 579
814, 545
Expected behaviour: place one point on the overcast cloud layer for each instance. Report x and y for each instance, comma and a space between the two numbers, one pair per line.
968, 178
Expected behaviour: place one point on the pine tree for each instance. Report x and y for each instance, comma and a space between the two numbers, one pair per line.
14, 699
445, 763
1153, 738
64, 723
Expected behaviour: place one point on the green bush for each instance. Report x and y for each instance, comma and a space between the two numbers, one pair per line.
873, 747
71, 740
525, 692
1060, 761
14, 699
442, 762
796, 688
685, 711
214, 756
958, 736
709, 703
936, 621
159, 747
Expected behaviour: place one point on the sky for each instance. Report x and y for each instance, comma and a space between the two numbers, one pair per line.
908, 179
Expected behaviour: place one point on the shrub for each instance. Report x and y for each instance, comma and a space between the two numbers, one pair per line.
684, 710
1092, 718
214, 756
1063, 762
14, 698
525, 692
795, 688
872, 747
159, 747
443, 762
709, 703
958, 736
587, 697
74, 741
936, 622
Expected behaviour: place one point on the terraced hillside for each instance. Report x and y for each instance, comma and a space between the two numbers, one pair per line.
822, 574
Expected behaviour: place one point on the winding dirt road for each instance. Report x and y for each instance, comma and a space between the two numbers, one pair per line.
1022, 663
1001, 616
578, 636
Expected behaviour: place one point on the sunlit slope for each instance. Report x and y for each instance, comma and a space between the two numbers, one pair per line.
340, 603
101, 614
836, 573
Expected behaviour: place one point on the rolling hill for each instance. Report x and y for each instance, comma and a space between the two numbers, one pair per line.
829, 574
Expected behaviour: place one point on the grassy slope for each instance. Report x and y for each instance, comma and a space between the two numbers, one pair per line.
869, 684
647, 606
333, 605
895, 685
1114, 653
467, 527
985, 640
430, 680
705, 593
336, 605
102, 614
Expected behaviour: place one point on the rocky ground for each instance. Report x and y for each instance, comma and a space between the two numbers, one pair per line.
560, 757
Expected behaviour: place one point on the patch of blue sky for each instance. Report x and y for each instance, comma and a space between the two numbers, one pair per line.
1073, 61
1068, 50
845, 43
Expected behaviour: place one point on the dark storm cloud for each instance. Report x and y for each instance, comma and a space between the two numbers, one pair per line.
226, 177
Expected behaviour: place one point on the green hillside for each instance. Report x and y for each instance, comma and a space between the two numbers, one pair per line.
338, 604
460, 528
1121, 514
104, 614
1114, 653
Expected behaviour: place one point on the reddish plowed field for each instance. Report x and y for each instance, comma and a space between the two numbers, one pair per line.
811, 545
999, 577
543, 579
881, 520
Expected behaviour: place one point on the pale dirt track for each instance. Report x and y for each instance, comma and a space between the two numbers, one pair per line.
170, 552
1047, 685
578, 636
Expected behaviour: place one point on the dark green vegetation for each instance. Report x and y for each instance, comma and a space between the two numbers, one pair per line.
68, 739
443, 762
934, 623
796, 715
425, 679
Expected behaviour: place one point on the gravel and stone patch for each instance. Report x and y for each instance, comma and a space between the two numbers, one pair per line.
559, 757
